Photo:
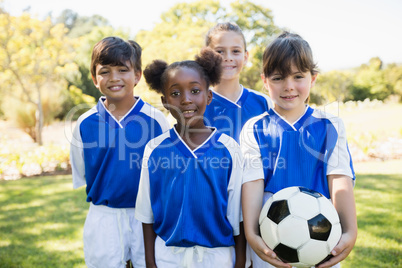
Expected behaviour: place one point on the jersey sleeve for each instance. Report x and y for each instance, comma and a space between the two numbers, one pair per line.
77, 157
162, 121
340, 162
234, 187
253, 166
143, 209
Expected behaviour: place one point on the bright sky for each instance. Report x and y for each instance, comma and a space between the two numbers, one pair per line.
342, 33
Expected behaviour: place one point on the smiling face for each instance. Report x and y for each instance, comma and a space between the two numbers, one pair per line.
290, 93
116, 82
231, 46
186, 97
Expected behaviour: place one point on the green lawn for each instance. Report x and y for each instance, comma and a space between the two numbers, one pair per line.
41, 220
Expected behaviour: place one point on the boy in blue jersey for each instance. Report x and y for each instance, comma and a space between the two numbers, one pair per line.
232, 104
189, 195
106, 150
295, 145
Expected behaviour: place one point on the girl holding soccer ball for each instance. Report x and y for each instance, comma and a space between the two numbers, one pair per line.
308, 148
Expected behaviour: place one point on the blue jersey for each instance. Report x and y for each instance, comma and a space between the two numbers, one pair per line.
106, 153
299, 154
192, 197
229, 117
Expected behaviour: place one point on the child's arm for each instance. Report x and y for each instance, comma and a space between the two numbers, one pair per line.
240, 248
252, 198
341, 190
149, 244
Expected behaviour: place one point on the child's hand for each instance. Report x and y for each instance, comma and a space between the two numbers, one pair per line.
265, 253
341, 250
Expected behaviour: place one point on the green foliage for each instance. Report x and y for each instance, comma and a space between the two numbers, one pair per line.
333, 86
72, 98
35, 56
181, 34
36, 53
369, 81
80, 25
24, 114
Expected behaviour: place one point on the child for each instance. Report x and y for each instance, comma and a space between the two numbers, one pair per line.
295, 145
106, 151
232, 104
189, 195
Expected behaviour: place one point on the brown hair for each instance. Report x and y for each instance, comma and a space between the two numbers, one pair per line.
207, 64
115, 51
224, 27
286, 49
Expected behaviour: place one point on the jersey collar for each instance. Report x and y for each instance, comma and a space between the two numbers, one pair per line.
211, 141
288, 126
238, 103
111, 120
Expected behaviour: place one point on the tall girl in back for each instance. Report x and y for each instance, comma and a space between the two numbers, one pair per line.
232, 104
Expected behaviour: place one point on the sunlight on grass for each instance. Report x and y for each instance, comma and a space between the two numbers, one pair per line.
60, 245
4, 243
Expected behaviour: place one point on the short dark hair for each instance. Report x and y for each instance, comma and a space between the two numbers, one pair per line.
207, 64
115, 51
286, 49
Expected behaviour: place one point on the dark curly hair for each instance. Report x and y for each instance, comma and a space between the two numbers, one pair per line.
207, 64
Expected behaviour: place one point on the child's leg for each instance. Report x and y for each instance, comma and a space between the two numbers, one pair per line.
136, 241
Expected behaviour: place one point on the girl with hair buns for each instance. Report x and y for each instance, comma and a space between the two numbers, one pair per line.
190, 186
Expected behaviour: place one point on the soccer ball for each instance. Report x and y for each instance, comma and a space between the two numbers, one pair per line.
300, 225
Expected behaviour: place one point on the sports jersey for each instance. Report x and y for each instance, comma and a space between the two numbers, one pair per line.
192, 197
229, 117
106, 153
299, 154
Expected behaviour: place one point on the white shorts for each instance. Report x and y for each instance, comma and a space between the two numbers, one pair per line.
112, 236
259, 263
194, 257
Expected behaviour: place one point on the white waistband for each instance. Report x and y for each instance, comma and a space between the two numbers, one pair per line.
107, 209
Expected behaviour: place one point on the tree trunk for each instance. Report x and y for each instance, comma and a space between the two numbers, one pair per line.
39, 122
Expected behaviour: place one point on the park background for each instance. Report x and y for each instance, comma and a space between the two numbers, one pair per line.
45, 85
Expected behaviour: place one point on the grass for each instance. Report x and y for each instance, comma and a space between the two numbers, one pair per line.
41, 220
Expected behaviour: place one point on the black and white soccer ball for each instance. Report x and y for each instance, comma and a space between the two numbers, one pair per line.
300, 225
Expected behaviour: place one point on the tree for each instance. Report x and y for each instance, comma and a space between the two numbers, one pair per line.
35, 56
371, 80
393, 75
333, 86
80, 25
259, 29
181, 33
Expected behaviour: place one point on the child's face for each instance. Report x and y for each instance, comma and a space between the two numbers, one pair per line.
231, 46
116, 82
186, 96
289, 93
